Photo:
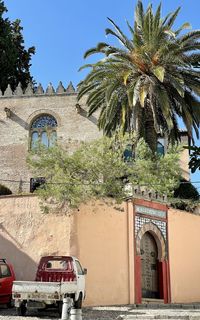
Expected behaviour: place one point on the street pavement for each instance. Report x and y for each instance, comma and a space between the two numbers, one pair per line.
131, 313
113, 313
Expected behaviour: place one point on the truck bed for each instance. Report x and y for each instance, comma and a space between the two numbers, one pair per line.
36, 290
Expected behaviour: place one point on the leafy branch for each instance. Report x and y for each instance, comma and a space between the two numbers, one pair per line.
101, 169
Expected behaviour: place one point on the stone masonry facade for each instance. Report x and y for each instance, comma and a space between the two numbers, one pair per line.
19, 109
17, 112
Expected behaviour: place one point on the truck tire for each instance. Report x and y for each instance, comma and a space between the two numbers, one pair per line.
60, 304
10, 303
21, 311
78, 303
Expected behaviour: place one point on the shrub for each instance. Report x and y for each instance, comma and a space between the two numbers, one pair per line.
186, 196
186, 190
100, 169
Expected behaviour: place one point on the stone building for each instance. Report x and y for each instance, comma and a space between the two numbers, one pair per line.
28, 116
132, 251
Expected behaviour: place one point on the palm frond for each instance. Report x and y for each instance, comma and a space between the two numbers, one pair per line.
90, 52
128, 44
85, 89
164, 103
156, 73
89, 65
169, 23
189, 36
184, 26
166, 18
139, 14
157, 18
130, 28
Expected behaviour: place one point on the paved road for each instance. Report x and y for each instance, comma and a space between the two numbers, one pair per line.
110, 313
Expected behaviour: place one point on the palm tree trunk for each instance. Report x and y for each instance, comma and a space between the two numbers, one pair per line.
150, 135
143, 125
139, 127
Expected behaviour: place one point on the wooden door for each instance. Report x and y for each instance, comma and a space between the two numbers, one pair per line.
149, 259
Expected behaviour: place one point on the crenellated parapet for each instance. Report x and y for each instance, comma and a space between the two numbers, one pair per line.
144, 193
38, 90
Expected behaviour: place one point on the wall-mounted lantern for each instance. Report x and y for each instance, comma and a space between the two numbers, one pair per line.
78, 108
8, 112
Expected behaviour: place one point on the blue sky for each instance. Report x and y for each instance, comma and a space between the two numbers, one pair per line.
63, 30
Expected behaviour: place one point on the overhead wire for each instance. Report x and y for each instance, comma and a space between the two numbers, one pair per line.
83, 183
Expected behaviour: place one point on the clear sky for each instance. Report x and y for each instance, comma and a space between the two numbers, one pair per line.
63, 30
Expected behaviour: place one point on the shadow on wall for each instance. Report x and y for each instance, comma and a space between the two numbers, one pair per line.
14, 117
85, 115
24, 266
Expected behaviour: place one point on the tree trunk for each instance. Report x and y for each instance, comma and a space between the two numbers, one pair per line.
150, 135
139, 119
143, 125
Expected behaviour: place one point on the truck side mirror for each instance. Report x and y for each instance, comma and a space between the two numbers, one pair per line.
84, 271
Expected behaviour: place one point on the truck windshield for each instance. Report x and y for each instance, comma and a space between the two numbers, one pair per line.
58, 264
4, 271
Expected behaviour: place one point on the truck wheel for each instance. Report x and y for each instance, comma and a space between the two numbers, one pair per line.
10, 303
78, 303
21, 311
60, 304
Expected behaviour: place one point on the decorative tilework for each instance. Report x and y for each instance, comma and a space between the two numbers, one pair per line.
140, 221
150, 211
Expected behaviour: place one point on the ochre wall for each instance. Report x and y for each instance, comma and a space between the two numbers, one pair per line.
26, 234
96, 233
101, 243
184, 249
101, 235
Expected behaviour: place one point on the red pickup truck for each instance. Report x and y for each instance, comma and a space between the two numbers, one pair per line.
7, 276
57, 277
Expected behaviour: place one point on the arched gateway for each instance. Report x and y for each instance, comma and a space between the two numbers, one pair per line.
150, 246
151, 254
149, 258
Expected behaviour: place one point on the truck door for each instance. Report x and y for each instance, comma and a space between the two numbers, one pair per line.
80, 278
6, 281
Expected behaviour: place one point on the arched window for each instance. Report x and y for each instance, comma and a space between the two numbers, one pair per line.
43, 130
161, 147
128, 153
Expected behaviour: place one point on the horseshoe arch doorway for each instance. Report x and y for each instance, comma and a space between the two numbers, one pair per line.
150, 266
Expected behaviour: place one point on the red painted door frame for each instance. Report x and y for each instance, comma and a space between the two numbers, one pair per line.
138, 280
163, 266
164, 287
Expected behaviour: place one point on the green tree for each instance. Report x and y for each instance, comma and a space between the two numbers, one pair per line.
194, 163
14, 58
99, 169
186, 190
186, 196
148, 81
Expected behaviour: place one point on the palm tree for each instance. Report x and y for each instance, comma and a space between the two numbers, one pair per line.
149, 81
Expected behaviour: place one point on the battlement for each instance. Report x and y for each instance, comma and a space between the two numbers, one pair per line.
38, 91
144, 193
